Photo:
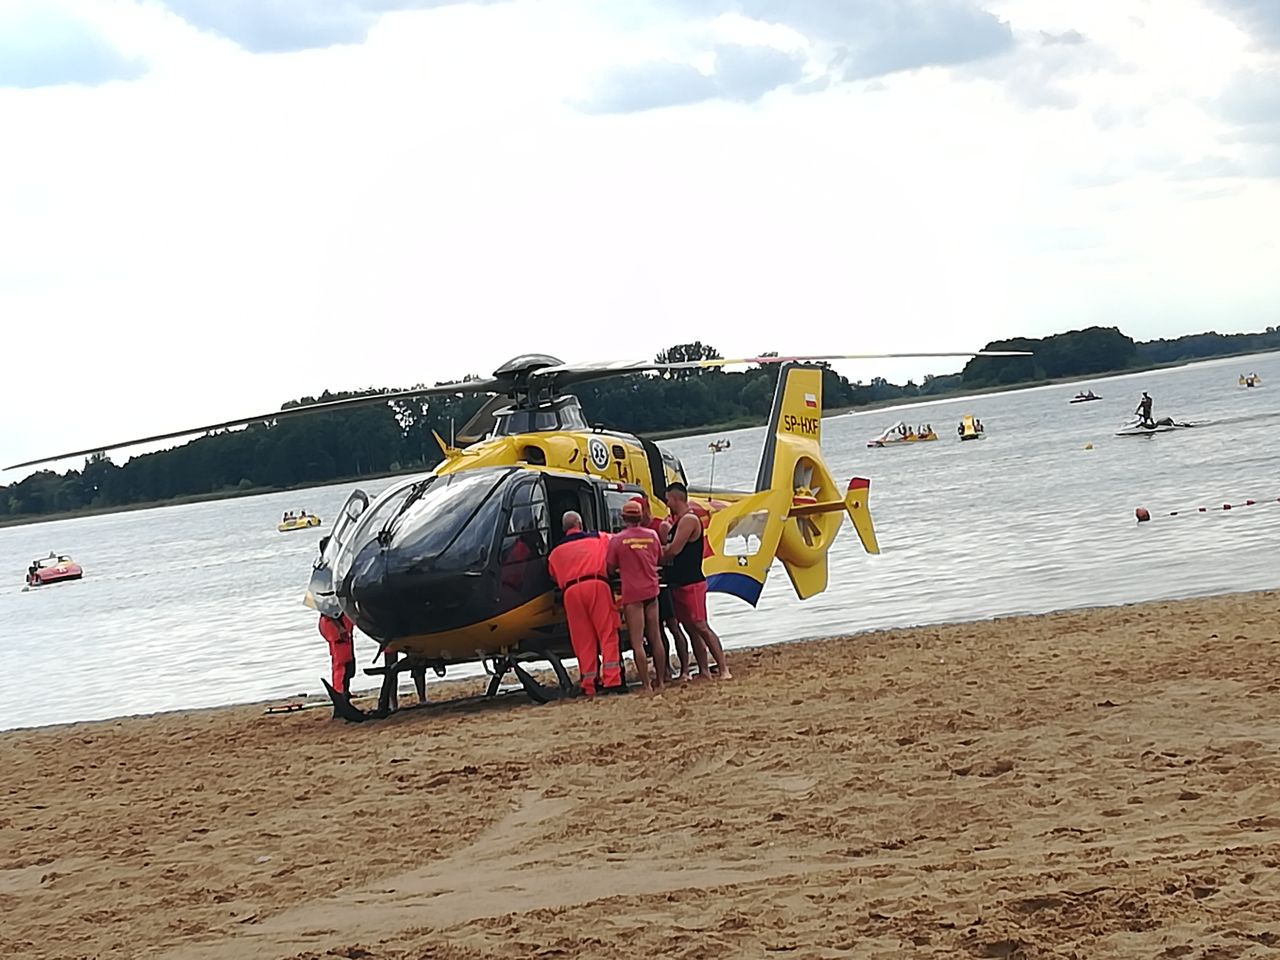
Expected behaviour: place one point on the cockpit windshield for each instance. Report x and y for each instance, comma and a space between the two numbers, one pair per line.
457, 515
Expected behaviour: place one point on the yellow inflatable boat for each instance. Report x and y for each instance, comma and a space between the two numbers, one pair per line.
901, 433
302, 522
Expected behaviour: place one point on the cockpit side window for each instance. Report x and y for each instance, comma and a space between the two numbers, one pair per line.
526, 542
529, 521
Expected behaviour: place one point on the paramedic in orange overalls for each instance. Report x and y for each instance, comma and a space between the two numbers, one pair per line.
340, 632
578, 566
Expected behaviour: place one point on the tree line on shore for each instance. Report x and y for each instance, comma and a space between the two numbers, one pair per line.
386, 438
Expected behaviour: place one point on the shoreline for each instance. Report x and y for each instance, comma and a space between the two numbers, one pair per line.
1095, 782
741, 423
470, 686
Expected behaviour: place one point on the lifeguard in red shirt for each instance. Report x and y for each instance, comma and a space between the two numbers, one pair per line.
666, 608
578, 566
635, 552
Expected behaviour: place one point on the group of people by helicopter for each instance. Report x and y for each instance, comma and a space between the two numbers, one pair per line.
657, 564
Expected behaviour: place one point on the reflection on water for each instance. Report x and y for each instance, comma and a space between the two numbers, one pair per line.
200, 605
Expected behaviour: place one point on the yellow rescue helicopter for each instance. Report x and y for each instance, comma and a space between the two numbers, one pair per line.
450, 567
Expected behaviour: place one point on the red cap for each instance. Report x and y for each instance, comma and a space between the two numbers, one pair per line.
633, 508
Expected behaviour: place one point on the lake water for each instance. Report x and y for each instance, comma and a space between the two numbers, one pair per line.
200, 605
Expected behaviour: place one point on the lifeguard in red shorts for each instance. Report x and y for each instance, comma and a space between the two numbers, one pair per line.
634, 552
578, 566
683, 554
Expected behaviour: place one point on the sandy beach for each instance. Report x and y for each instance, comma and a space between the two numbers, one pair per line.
1103, 783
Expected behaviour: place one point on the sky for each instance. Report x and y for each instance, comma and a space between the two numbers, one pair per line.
208, 207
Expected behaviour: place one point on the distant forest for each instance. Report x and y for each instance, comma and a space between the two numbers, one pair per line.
381, 439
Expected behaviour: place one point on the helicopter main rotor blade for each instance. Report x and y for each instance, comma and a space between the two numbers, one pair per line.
566, 373
324, 406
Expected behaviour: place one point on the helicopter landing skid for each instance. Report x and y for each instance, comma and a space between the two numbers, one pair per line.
342, 705
499, 667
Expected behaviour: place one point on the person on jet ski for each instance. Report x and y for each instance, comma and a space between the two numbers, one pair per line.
1144, 410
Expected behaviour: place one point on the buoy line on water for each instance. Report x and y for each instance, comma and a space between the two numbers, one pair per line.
1143, 514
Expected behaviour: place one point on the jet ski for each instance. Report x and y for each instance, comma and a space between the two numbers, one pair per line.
1084, 397
1136, 428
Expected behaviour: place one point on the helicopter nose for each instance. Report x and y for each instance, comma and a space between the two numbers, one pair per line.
390, 599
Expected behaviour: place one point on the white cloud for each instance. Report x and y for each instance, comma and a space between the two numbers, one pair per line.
229, 230
1259, 18
44, 43
647, 86
278, 26
738, 73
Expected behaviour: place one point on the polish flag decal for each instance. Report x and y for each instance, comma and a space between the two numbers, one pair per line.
810, 400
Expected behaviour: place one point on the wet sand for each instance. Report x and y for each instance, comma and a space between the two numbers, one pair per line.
1103, 783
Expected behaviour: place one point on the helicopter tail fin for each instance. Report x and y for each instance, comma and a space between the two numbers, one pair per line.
855, 504
796, 511
795, 424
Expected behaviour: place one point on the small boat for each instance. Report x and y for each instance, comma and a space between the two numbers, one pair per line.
299, 521
54, 568
1084, 397
970, 428
1252, 380
1136, 428
901, 433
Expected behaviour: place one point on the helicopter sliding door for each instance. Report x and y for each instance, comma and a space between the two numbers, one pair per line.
657, 468
570, 493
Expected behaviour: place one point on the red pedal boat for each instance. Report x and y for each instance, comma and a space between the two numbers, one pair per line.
53, 569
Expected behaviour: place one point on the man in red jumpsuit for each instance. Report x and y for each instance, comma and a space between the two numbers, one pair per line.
578, 566
340, 632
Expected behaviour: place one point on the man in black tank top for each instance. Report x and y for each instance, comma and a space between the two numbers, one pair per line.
683, 555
